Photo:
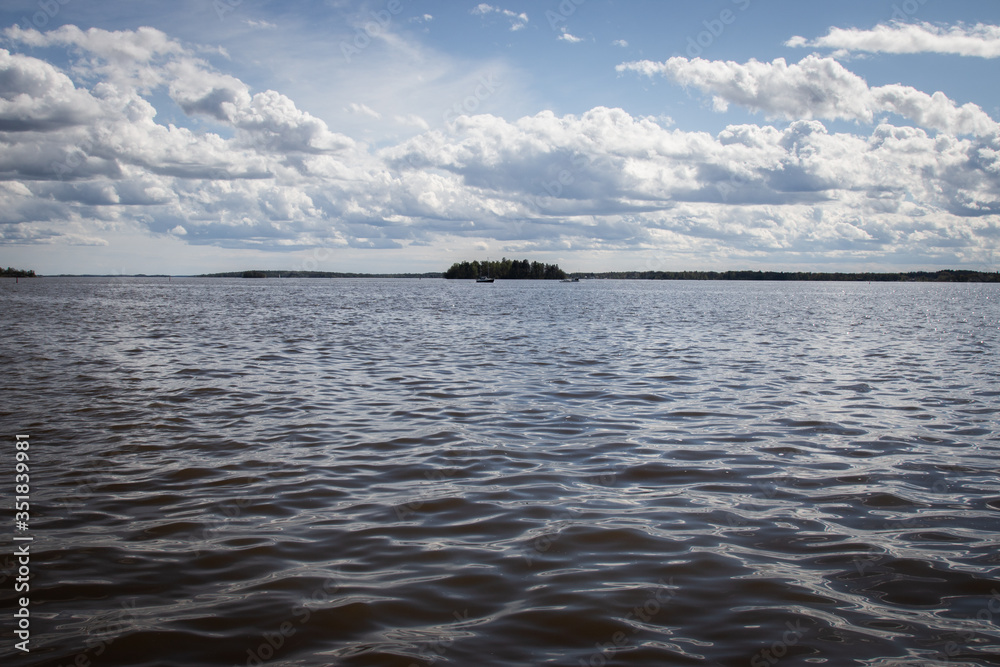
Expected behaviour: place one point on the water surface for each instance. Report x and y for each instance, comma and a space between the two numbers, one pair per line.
416, 472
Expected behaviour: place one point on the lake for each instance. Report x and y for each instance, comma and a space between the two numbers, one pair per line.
429, 472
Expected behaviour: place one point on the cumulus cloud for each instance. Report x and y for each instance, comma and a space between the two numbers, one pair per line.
980, 40
606, 163
277, 177
132, 63
126, 58
933, 111
517, 20
814, 87
272, 120
101, 152
36, 96
198, 90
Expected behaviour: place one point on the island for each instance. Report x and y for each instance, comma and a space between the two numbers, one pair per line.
506, 269
17, 273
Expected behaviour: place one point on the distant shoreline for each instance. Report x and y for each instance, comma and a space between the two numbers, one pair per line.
314, 274
942, 276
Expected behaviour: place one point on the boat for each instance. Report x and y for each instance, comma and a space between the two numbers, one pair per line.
570, 280
485, 278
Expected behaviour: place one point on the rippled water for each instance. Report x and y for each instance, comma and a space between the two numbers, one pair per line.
415, 472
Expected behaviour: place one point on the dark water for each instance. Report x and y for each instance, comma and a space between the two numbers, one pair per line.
381, 472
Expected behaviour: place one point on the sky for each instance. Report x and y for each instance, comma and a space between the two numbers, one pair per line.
394, 136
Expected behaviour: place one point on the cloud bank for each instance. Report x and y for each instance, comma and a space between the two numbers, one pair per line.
982, 41
815, 88
84, 153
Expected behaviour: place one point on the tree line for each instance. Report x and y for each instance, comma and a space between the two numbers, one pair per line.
943, 276
17, 273
314, 274
506, 269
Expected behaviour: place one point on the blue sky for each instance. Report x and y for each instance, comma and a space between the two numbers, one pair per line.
400, 135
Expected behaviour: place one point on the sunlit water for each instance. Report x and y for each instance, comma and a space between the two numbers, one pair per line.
415, 472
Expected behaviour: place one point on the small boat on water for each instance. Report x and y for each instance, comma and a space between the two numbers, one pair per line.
485, 278
570, 280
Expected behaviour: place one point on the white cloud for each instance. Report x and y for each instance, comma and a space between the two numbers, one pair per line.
933, 111
565, 36
517, 20
607, 164
36, 96
199, 90
125, 58
412, 120
363, 110
266, 25
620, 42
814, 87
140, 60
279, 178
980, 40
